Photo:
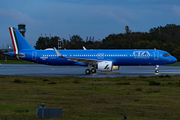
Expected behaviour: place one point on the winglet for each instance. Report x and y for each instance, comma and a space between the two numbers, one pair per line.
84, 48
58, 53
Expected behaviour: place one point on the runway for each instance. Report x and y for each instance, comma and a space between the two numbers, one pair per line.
78, 71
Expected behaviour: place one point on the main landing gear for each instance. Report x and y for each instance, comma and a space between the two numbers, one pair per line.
156, 69
88, 71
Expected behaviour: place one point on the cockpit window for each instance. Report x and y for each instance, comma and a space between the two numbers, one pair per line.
166, 55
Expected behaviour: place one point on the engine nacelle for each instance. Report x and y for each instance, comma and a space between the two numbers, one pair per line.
105, 66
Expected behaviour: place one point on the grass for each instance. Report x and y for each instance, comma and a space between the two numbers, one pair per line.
140, 98
175, 64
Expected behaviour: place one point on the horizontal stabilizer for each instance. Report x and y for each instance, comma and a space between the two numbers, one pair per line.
16, 55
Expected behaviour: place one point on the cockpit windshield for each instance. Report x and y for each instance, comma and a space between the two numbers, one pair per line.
166, 55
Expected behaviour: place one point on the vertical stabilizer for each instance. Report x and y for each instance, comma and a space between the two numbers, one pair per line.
18, 41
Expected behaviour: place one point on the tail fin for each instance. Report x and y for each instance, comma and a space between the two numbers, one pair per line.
19, 42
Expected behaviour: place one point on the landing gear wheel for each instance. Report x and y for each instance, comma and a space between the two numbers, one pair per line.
93, 70
87, 71
156, 71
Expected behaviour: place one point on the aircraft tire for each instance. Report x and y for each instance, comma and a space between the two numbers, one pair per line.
87, 71
93, 70
156, 71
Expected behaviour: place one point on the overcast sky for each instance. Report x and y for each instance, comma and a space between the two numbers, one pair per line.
97, 18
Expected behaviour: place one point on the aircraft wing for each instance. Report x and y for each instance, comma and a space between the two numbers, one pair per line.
81, 60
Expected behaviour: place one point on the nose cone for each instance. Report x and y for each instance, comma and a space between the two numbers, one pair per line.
173, 60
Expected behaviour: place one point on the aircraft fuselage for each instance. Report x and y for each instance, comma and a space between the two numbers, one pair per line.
119, 57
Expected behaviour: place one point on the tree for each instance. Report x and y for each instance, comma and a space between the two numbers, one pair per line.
41, 43
127, 29
176, 53
53, 42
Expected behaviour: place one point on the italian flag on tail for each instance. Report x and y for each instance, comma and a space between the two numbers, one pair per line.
14, 40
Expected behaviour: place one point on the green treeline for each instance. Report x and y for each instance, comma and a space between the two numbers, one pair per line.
164, 38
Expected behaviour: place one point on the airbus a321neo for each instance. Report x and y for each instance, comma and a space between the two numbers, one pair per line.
101, 60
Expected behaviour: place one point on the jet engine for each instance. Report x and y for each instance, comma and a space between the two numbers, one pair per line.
105, 66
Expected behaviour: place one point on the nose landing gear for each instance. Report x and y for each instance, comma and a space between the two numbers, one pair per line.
156, 69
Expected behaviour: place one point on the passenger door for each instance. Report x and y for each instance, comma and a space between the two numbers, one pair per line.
34, 54
156, 55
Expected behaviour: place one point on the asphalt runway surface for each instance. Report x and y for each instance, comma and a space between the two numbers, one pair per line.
78, 71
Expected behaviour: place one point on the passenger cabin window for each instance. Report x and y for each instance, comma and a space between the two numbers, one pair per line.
166, 55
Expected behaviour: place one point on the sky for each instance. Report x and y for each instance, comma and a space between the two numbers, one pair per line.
98, 18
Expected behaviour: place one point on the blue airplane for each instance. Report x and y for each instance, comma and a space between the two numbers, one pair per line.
101, 60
